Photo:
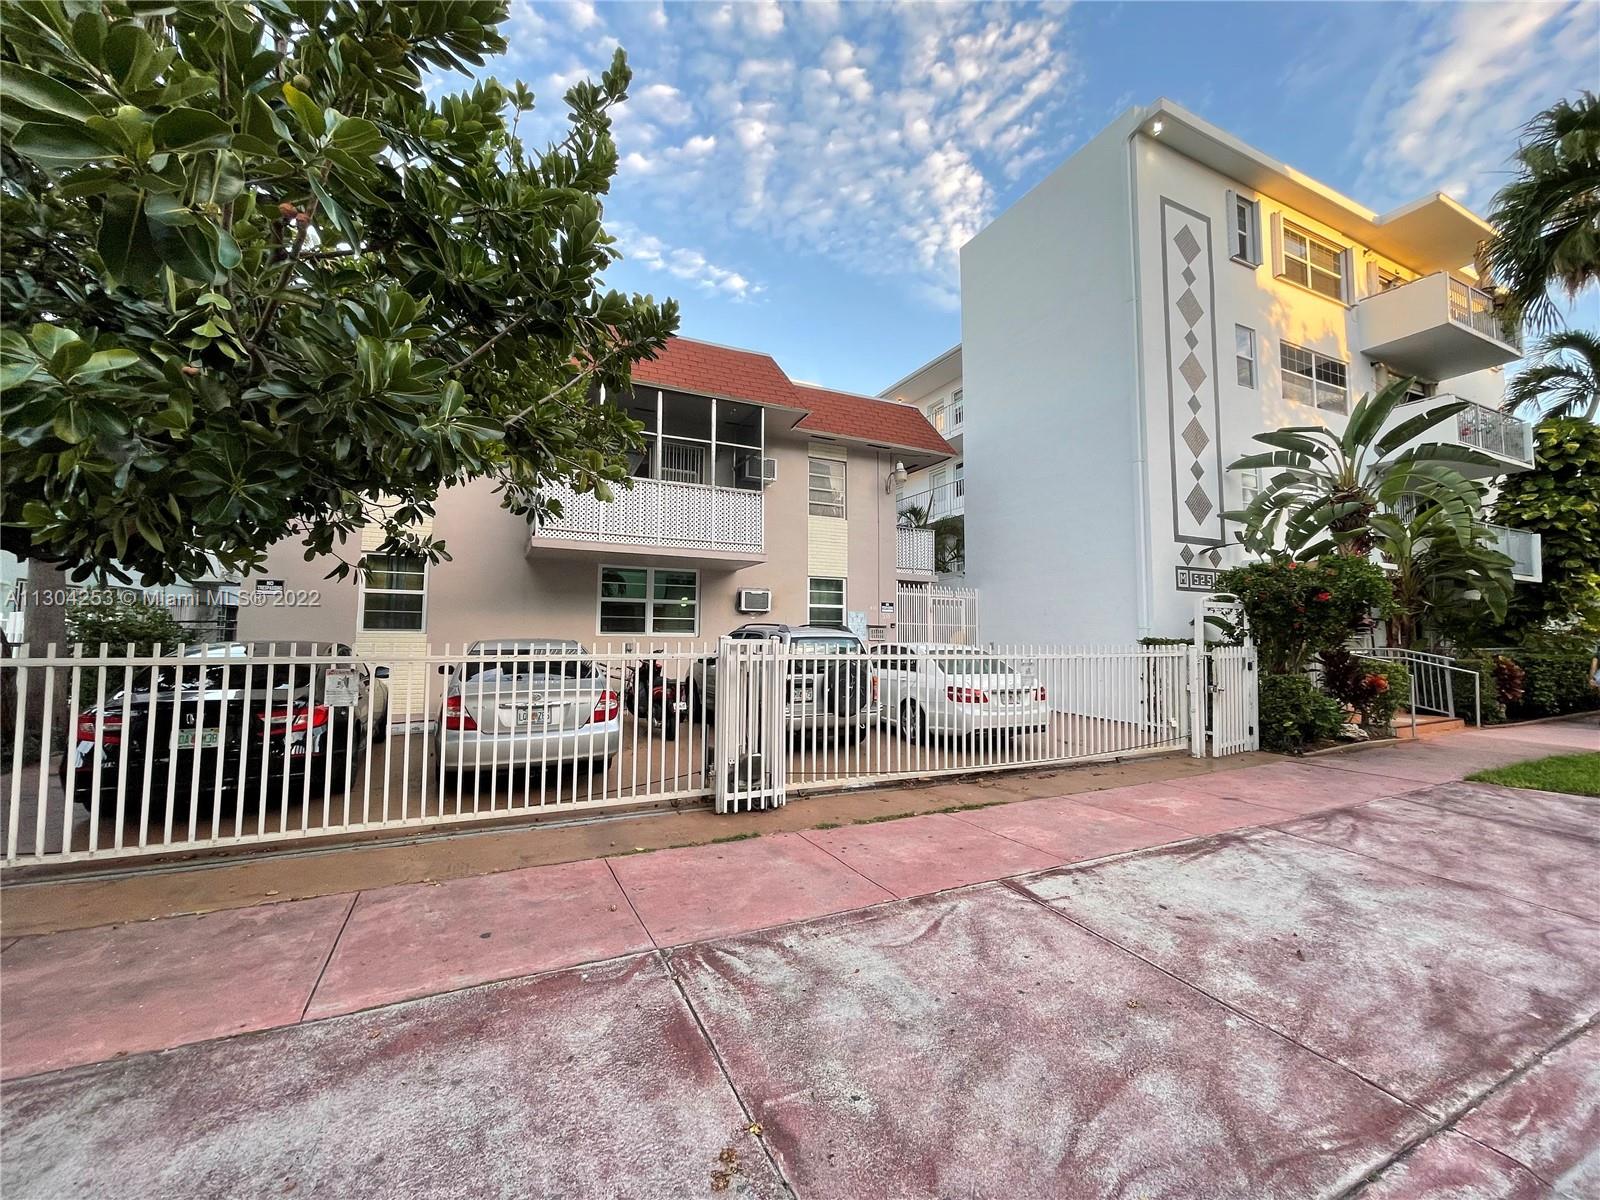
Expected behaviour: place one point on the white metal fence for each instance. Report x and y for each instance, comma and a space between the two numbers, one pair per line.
204, 748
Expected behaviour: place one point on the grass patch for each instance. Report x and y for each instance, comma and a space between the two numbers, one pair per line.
1574, 774
953, 808
732, 837
828, 825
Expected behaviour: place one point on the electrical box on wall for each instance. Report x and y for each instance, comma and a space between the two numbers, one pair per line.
755, 600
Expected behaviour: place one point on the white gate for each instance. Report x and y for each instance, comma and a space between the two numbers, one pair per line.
934, 613
750, 712
1225, 701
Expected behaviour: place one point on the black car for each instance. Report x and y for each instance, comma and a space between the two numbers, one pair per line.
222, 716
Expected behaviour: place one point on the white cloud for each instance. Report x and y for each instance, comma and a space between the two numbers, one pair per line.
682, 263
1485, 69
579, 14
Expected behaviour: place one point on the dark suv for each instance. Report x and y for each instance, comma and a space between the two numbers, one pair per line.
829, 684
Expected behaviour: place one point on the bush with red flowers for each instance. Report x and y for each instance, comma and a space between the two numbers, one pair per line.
1297, 609
1374, 689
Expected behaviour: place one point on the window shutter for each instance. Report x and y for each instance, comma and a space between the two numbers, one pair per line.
1347, 269
1231, 222
1277, 243
1255, 233
1371, 284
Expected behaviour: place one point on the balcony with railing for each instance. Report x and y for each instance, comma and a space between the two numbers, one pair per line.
1504, 438
694, 520
937, 502
1522, 547
1436, 327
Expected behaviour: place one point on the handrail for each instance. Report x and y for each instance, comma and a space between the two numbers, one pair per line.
1441, 697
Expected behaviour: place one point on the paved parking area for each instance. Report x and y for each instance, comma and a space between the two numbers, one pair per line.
1330, 978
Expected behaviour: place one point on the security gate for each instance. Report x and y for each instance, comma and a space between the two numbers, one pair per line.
1225, 698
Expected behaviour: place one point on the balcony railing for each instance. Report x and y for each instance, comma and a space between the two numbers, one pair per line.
1522, 547
1470, 306
936, 503
1495, 432
913, 552
657, 512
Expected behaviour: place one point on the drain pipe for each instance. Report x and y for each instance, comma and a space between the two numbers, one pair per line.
1144, 600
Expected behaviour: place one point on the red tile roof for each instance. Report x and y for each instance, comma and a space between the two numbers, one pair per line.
711, 370
883, 421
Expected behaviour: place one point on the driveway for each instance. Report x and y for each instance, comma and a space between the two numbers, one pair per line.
1301, 980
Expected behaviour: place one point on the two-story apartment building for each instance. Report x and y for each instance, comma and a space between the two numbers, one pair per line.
753, 498
1131, 323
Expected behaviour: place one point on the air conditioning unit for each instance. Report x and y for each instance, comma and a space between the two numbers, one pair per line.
755, 469
755, 600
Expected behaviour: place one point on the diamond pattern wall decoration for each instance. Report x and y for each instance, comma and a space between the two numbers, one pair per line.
1189, 321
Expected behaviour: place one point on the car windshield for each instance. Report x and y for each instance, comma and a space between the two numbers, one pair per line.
826, 645
968, 664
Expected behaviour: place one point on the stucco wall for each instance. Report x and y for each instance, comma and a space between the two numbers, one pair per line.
491, 588
1048, 368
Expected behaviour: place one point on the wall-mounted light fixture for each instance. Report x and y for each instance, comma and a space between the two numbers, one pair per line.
1156, 127
896, 479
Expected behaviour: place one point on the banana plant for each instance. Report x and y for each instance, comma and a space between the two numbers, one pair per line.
1432, 570
1328, 485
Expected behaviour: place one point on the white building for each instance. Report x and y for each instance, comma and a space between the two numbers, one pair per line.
937, 492
1132, 322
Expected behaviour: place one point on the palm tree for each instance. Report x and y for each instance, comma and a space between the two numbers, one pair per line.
1547, 219
1563, 380
1329, 485
1432, 570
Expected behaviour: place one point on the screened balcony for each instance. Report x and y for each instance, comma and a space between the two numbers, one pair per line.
697, 488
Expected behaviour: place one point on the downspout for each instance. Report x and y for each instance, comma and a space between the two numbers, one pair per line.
1144, 601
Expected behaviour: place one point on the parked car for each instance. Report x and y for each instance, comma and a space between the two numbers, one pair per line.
829, 685
943, 690
527, 702
217, 717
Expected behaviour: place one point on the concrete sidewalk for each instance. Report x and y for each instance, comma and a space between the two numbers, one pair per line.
1293, 981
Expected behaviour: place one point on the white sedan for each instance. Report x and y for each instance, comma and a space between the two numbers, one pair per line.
953, 691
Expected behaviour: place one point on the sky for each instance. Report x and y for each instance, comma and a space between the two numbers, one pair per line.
801, 177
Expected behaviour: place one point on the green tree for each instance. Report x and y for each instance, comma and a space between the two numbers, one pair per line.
1436, 575
1560, 501
258, 285
1329, 485
1562, 380
119, 618
1547, 219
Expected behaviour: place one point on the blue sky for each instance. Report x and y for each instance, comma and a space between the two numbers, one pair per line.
801, 176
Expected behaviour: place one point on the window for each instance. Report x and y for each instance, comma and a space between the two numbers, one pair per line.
1313, 263
696, 440
1388, 280
827, 487
961, 480
646, 600
936, 417
1244, 355
1249, 487
938, 494
1314, 379
394, 592
827, 603
1244, 229
957, 410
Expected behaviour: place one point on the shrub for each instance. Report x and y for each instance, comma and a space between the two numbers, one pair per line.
1553, 684
1493, 681
1374, 688
1296, 609
1294, 713
117, 618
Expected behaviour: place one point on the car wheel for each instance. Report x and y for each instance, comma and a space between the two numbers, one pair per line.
913, 722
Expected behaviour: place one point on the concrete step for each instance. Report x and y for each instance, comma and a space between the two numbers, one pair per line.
1428, 725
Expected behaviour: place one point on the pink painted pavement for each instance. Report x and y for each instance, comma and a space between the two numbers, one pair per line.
419, 939
918, 855
709, 891
93, 994
1351, 943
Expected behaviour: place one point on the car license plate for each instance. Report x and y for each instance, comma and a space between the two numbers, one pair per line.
207, 739
530, 716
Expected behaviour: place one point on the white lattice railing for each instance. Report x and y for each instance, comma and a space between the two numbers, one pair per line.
657, 512
914, 550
